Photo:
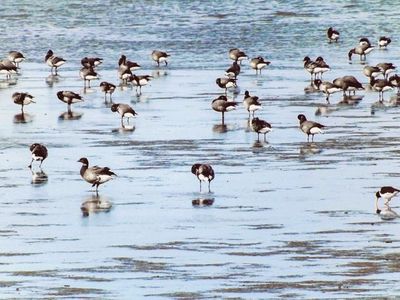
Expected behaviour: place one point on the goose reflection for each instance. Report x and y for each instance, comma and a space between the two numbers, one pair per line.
159, 73
125, 128
220, 128
309, 149
203, 201
385, 105
52, 79
39, 177
325, 110
88, 90
23, 118
387, 213
95, 204
350, 101
70, 115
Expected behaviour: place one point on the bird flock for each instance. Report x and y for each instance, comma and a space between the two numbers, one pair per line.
204, 172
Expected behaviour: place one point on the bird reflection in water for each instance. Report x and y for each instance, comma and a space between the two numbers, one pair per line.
70, 115
203, 201
39, 177
52, 79
350, 101
125, 128
309, 149
387, 213
95, 204
384, 105
159, 73
220, 128
23, 118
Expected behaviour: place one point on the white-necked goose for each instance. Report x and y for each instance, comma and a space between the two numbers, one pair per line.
381, 86
384, 42
233, 71
203, 172
107, 88
258, 63
160, 56
222, 105
16, 57
124, 110
53, 61
386, 193
88, 74
69, 98
309, 127
95, 175
260, 126
362, 50
348, 83
39, 153
124, 64
321, 66
91, 62
326, 87
333, 35
226, 83
395, 82
139, 81
237, 55
386, 68
22, 99
251, 103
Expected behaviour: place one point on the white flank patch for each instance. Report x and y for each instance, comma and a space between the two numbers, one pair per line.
103, 178
229, 108
315, 130
260, 66
162, 58
143, 81
202, 177
387, 88
230, 84
60, 63
128, 115
254, 107
334, 36
368, 50
37, 157
265, 130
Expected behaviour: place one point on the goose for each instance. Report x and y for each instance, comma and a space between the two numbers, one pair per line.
371, 71
203, 172
124, 64
237, 55
364, 42
326, 87
124, 74
38, 152
321, 66
16, 57
348, 83
88, 74
107, 88
53, 61
222, 105
69, 98
258, 63
124, 110
22, 99
260, 126
251, 103
226, 83
8, 68
309, 66
91, 62
140, 81
309, 127
333, 35
386, 193
361, 50
384, 42
386, 69
395, 82
160, 56
95, 175
381, 86
233, 71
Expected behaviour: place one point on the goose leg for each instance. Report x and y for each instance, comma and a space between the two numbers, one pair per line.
209, 189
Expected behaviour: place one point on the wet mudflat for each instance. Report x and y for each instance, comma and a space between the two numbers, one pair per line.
285, 219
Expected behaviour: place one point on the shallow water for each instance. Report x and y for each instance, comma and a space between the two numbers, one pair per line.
289, 219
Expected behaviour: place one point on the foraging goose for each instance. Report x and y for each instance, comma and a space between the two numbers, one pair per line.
91, 62
16, 57
386, 69
140, 81
260, 126
88, 74
321, 66
124, 64
386, 193
237, 55
395, 82
203, 172
371, 71
69, 98
222, 105
22, 99
95, 175
333, 35
309, 127
7, 69
226, 83
309, 66
160, 56
381, 86
258, 63
39, 153
361, 50
53, 61
348, 83
124, 110
107, 88
124, 74
251, 103
384, 42
326, 87
233, 71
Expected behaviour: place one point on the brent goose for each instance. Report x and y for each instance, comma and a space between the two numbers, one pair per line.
203, 172
386, 68
107, 88
124, 74
395, 82
124, 64
95, 175
251, 103
124, 110
386, 193
384, 42
233, 71
309, 66
69, 98
160, 56
381, 86
237, 55
371, 71
8, 68
326, 87
258, 63
226, 83
39, 153
348, 83
53, 61
321, 66
333, 35
364, 42
139, 81
88, 74
91, 62
363, 49
260, 126
309, 127
22, 99
16, 57
221, 104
